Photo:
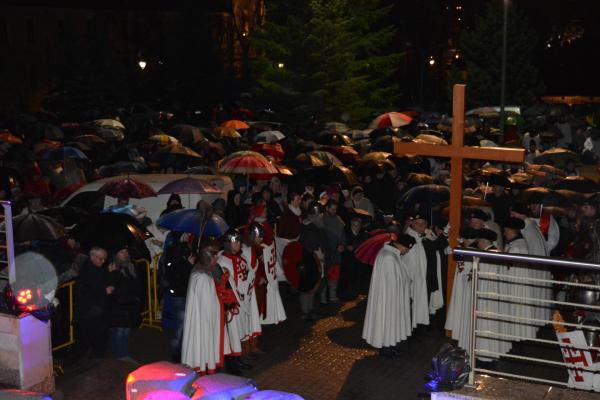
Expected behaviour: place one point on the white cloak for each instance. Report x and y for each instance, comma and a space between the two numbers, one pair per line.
387, 320
536, 243
202, 329
275, 312
234, 330
458, 319
416, 261
250, 317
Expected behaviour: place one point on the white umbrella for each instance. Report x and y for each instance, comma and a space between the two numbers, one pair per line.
270, 136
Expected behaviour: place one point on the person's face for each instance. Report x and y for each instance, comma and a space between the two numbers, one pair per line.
357, 196
332, 209
483, 244
266, 195
535, 210
296, 201
122, 202
476, 223
98, 258
418, 225
71, 243
335, 196
510, 233
588, 210
258, 240
122, 255
236, 247
242, 189
355, 226
237, 198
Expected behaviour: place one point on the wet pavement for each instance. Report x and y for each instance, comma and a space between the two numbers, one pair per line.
324, 360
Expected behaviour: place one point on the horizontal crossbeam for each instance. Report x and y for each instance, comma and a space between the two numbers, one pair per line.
499, 154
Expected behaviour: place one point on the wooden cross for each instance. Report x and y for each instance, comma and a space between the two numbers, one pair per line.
457, 152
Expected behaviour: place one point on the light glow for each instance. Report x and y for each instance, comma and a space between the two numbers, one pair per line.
142, 64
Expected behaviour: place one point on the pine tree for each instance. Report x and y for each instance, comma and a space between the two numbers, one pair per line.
326, 58
481, 49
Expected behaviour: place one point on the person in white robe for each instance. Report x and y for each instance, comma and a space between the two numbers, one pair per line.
275, 312
547, 224
516, 244
387, 319
203, 325
537, 246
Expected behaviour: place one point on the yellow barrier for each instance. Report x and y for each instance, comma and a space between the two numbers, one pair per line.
70, 285
151, 319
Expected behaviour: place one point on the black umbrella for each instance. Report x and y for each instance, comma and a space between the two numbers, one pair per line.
337, 174
374, 167
427, 194
539, 195
381, 132
111, 230
122, 167
36, 227
578, 184
67, 215
334, 139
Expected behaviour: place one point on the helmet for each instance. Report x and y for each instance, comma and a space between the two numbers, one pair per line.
229, 237
315, 208
205, 254
255, 230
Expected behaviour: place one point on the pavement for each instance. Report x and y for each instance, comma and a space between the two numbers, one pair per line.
319, 361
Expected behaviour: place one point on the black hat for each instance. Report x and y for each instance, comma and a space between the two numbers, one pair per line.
514, 223
487, 234
416, 214
405, 240
478, 213
120, 247
497, 179
468, 233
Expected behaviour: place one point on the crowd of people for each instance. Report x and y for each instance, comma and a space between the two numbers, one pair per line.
299, 235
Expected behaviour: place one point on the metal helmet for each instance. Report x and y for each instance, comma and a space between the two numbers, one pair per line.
231, 236
205, 254
255, 230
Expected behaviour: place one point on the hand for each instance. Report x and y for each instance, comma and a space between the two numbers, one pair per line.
110, 289
192, 259
112, 267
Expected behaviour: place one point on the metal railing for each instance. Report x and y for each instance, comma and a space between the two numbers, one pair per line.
8, 242
513, 295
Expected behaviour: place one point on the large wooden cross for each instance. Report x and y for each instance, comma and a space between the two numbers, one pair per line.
457, 152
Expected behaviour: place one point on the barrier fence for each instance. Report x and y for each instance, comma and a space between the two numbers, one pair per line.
512, 299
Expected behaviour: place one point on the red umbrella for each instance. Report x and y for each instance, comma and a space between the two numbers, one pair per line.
268, 149
391, 119
127, 188
246, 163
188, 186
367, 252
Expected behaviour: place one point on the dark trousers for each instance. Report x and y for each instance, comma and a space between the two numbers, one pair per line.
172, 320
91, 338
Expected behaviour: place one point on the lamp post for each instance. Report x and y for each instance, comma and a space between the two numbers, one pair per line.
503, 73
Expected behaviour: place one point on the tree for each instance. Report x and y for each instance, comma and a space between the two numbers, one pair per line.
481, 50
327, 59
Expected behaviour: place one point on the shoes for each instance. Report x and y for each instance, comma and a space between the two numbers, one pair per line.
389, 352
313, 316
232, 367
243, 364
257, 352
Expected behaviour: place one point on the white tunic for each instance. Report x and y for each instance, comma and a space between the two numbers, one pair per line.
536, 243
458, 319
275, 312
515, 307
387, 320
202, 326
416, 261
234, 328
250, 315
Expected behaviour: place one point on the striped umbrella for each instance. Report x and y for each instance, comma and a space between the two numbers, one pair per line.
246, 163
391, 119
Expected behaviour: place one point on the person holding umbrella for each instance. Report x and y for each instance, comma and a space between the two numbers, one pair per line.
352, 272
388, 315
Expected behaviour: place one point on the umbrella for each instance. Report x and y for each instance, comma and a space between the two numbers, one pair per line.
66, 216
305, 160
90, 140
474, 201
269, 136
550, 135
191, 221
235, 124
483, 112
578, 184
391, 119
429, 139
345, 153
223, 132
337, 174
380, 132
245, 163
376, 156
44, 146
336, 127
267, 149
63, 153
126, 188
326, 157
545, 169
371, 167
487, 143
429, 194
557, 156
385, 143
111, 230
33, 226
79, 145
189, 186
175, 154
368, 250
121, 167
416, 179
536, 195
51, 132
491, 176
333, 139
187, 134
163, 139
573, 196
6, 136
520, 180
109, 123
66, 191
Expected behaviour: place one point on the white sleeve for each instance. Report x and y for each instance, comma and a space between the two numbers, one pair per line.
553, 234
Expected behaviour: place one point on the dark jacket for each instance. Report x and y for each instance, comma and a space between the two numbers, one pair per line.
90, 291
125, 303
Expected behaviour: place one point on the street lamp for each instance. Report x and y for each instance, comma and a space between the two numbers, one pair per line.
142, 64
431, 61
280, 65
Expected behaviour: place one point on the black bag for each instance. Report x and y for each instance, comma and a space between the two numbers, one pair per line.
450, 369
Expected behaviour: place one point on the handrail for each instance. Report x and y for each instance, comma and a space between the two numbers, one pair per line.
464, 252
8, 232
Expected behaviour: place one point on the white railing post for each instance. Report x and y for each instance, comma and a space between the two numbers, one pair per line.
10, 251
473, 319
